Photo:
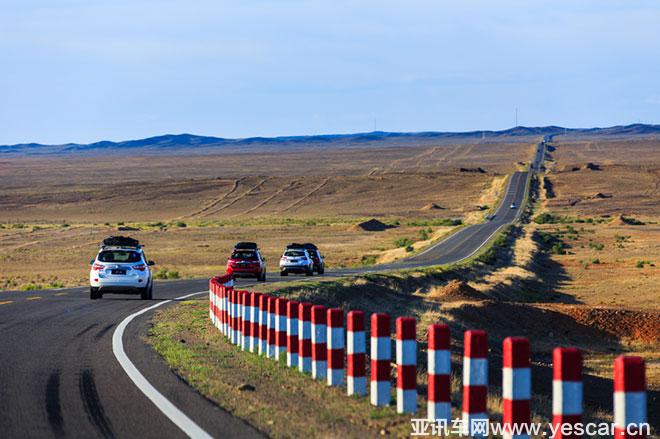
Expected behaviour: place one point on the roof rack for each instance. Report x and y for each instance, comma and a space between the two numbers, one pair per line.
295, 245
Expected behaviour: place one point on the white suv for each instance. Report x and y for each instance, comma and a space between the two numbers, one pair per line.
120, 267
296, 260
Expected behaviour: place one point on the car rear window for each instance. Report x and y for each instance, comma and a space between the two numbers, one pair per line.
244, 255
119, 256
295, 253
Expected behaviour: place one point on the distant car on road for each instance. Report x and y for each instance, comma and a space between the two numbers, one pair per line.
513, 205
120, 267
490, 217
317, 257
246, 261
296, 259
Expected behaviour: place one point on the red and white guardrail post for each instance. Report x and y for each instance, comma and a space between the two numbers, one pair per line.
356, 355
335, 347
475, 382
381, 355
232, 316
246, 324
319, 342
280, 327
272, 334
305, 337
439, 378
516, 386
254, 321
406, 365
225, 310
263, 324
292, 333
629, 397
566, 390
212, 301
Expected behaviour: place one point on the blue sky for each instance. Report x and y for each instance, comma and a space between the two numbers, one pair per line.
85, 70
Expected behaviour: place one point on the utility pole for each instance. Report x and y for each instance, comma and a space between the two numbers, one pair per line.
516, 116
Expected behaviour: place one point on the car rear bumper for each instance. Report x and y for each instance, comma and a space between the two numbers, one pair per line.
120, 289
237, 272
294, 268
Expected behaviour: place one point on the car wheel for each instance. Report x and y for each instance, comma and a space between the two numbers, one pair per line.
310, 272
322, 270
262, 278
146, 293
94, 293
283, 273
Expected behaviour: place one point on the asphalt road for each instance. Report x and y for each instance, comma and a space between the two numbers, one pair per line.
59, 376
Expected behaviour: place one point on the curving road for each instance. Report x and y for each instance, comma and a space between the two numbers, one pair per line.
59, 376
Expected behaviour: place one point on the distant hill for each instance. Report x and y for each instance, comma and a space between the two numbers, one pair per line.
185, 143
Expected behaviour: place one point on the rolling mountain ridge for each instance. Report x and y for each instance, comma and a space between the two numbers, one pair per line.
173, 142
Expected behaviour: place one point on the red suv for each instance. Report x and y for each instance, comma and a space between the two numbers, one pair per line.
246, 261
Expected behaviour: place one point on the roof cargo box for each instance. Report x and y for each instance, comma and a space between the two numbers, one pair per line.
121, 241
246, 246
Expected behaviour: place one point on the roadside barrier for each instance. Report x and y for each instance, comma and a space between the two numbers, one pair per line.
263, 324
335, 347
381, 355
406, 365
280, 327
629, 397
516, 385
313, 339
566, 388
292, 333
475, 380
356, 354
439, 373
305, 337
319, 342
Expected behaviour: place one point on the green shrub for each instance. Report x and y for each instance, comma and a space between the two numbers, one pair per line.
31, 287
557, 249
488, 257
595, 261
180, 224
409, 248
403, 242
424, 235
596, 246
546, 218
164, 273
368, 259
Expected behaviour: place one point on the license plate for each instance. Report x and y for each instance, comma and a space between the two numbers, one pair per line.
116, 271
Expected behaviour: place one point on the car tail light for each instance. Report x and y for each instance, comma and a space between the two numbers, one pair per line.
97, 267
139, 267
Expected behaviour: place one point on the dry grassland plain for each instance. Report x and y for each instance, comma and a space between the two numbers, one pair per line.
190, 209
614, 258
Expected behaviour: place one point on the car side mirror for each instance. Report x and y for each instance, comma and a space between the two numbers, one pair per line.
151, 263
264, 259
91, 262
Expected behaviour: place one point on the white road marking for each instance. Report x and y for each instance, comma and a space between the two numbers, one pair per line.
187, 425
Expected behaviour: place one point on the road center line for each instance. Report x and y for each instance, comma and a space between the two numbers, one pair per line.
187, 425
